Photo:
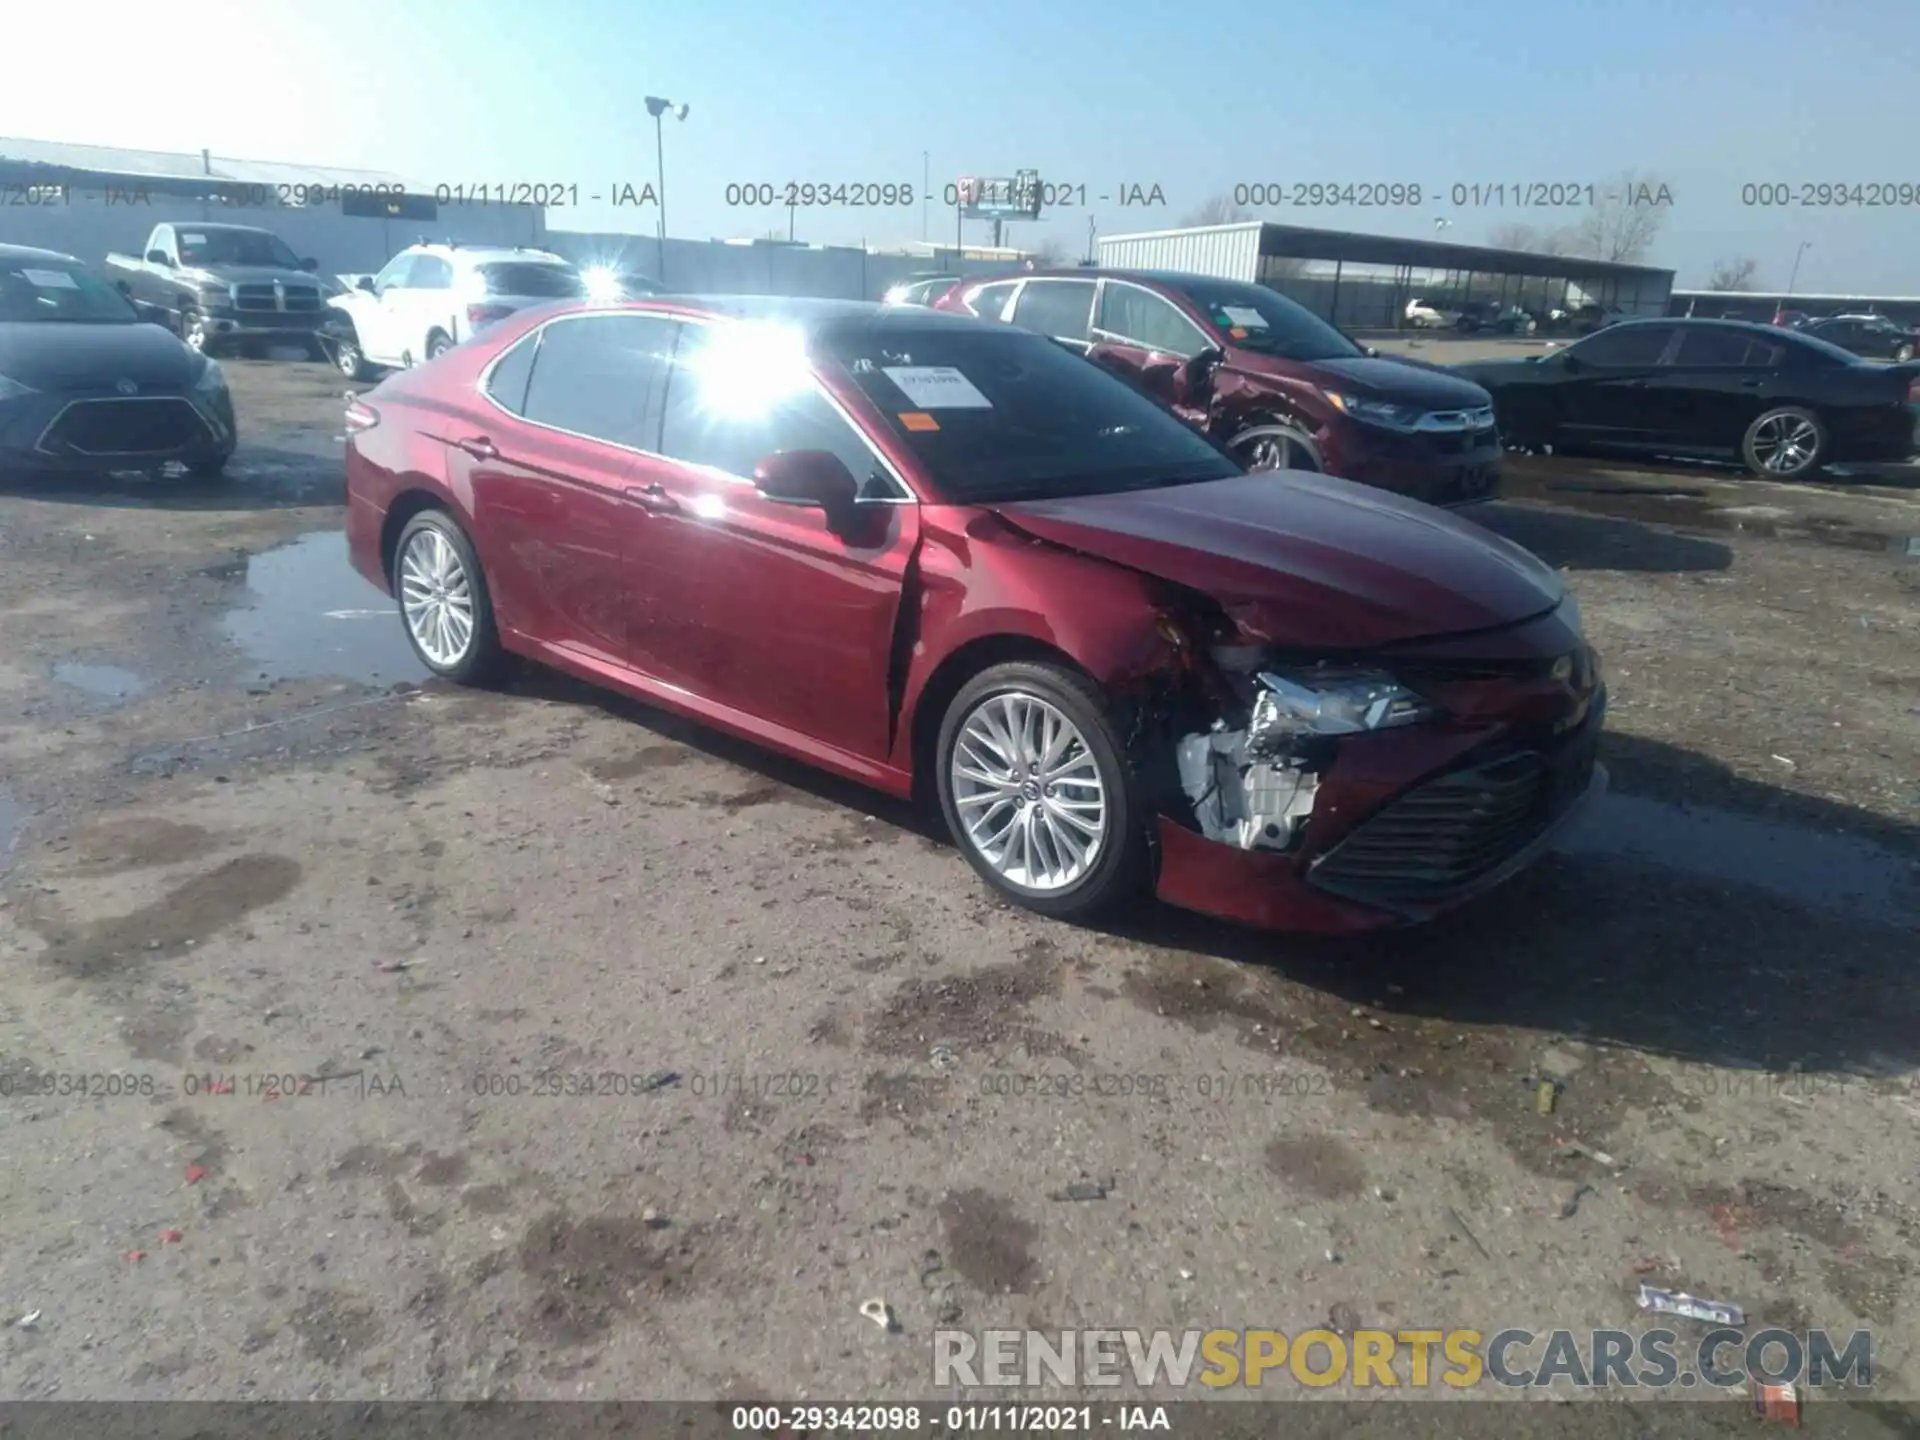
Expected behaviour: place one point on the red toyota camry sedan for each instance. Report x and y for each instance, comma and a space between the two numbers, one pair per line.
950, 559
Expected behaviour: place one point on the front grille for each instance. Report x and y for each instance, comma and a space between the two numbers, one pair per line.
260, 297
1442, 836
157, 426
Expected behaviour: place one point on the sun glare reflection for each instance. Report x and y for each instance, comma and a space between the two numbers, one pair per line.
746, 369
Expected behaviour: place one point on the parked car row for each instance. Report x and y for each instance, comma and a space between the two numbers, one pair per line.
1506, 318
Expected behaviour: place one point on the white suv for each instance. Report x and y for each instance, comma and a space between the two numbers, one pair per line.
429, 298
1426, 315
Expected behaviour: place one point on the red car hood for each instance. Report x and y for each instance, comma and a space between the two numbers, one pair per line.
1308, 560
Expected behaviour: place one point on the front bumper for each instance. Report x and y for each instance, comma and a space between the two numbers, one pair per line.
1395, 839
89, 433
265, 325
1446, 468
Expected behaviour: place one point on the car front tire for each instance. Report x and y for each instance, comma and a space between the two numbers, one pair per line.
1786, 442
348, 359
445, 606
438, 344
1038, 793
1903, 353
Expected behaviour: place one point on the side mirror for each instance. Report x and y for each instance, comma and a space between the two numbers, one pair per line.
159, 257
816, 478
1373, 352
310, 265
365, 282
1190, 380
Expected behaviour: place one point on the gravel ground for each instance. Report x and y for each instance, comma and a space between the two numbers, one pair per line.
240, 841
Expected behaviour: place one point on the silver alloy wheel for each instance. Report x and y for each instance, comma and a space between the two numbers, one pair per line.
346, 355
436, 597
1028, 792
1275, 450
195, 333
1785, 444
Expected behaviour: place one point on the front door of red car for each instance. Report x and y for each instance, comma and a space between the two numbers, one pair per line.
1144, 338
756, 605
557, 493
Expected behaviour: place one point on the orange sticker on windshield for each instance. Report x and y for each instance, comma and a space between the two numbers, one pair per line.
918, 420
1238, 333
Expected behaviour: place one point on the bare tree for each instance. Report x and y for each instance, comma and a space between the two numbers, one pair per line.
1220, 210
1624, 219
1048, 254
1529, 238
1740, 274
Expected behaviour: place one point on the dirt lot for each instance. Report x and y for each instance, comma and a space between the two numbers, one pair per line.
239, 841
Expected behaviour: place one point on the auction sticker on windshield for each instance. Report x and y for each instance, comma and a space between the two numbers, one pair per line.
937, 387
914, 420
50, 279
1244, 317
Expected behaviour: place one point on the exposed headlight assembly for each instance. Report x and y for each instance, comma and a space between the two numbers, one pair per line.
1330, 702
1377, 412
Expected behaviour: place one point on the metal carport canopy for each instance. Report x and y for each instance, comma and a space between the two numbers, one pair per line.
1302, 243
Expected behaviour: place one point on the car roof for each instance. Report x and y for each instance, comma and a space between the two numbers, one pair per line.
811, 313
31, 252
486, 254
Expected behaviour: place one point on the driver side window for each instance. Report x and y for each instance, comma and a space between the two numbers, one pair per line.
395, 275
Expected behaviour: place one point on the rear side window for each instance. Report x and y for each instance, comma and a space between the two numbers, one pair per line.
1726, 349
519, 277
1062, 309
602, 376
430, 272
508, 382
989, 302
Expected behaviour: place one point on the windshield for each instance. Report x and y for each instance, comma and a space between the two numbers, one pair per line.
1267, 323
47, 290
521, 277
1001, 415
235, 247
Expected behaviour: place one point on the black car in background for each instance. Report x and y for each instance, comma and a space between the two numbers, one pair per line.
1783, 402
1873, 336
87, 386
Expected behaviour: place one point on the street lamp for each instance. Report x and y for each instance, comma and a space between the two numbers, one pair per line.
1805, 245
658, 108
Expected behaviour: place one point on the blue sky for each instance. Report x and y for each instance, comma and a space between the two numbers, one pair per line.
1707, 95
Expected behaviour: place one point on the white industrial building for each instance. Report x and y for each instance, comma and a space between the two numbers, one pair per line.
87, 200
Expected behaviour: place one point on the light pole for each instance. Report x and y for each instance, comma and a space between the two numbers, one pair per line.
658, 108
926, 190
1805, 245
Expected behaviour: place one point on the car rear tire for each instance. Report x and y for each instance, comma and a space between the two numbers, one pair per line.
438, 344
1274, 447
197, 334
1785, 443
445, 607
1029, 768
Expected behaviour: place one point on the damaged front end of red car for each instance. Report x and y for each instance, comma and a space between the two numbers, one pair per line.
1350, 792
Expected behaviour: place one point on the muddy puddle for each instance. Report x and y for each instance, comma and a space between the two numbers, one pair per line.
308, 615
106, 685
1812, 868
1692, 508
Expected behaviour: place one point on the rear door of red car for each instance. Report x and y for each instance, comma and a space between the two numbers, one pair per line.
551, 463
759, 606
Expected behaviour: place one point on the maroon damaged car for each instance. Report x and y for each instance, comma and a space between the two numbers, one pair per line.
1267, 378
951, 560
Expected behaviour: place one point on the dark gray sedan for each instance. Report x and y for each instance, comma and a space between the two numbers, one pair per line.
87, 386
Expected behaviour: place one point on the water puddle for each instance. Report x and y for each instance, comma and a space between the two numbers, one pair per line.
1809, 867
1692, 508
308, 615
13, 819
109, 683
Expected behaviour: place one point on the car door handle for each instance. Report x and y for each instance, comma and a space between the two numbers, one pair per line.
479, 447
654, 499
